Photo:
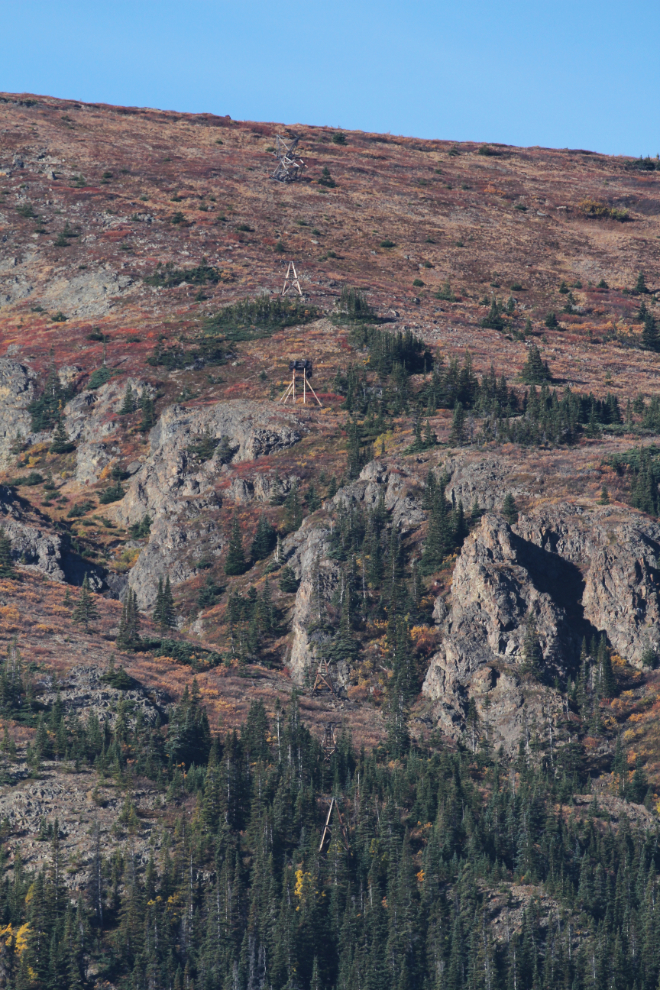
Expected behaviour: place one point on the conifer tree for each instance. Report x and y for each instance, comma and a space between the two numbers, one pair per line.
457, 432
604, 496
129, 403
235, 562
7, 569
640, 284
532, 652
85, 610
148, 414
535, 370
509, 509
607, 679
650, 335
293, 508
265, 540
128, 636
164, 613
60, 444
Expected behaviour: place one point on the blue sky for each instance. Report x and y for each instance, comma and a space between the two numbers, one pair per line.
579, 74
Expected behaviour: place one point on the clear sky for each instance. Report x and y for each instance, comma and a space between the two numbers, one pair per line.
572, 73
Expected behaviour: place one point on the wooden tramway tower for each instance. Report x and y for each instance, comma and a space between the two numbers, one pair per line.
323, 678
326, 835
291, 281
297, 368
329, 741
289, 165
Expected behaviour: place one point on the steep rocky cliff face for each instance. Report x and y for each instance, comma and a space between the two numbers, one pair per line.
17, 390
572, 572
178, 490
617, 551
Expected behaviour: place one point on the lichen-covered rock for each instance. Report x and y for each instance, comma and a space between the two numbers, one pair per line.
32, 546
92, 422
495, 587
17, 390
318, 575
619, 553
171, 473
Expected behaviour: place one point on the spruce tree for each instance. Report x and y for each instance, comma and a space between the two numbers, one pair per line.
7, 569
509, 509
235, 562
457, 432
168, 620
604, 496
532, 652
164, 613
650, 336
158, 606
640, 284
85, 610
60, 444
265, 540
148, 414
128, 636
535, 370
129, 403
607, 679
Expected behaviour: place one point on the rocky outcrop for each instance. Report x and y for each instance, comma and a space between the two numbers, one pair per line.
17, 390
88, 293
92, 423
619, 553
499, 581
178, 491
172, 474
32, 546
308, 557
318, 575
259, 488
398, 488
82, 693
38, 549
175, 548
577, 571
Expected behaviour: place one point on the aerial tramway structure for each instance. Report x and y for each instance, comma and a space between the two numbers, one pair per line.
296, 368
289, 165
291, 281
326, 835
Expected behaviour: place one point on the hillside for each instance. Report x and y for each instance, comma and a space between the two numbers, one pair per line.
465, 532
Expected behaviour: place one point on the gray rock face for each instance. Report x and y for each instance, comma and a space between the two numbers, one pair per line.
17, 390
178, 492
305, 639
260, 488
171, 475
91, 422
577, 572
32, 546
88, 293
175, 546
619, 553
37, 549
82, 693
308, 547
499, 580
398, 490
